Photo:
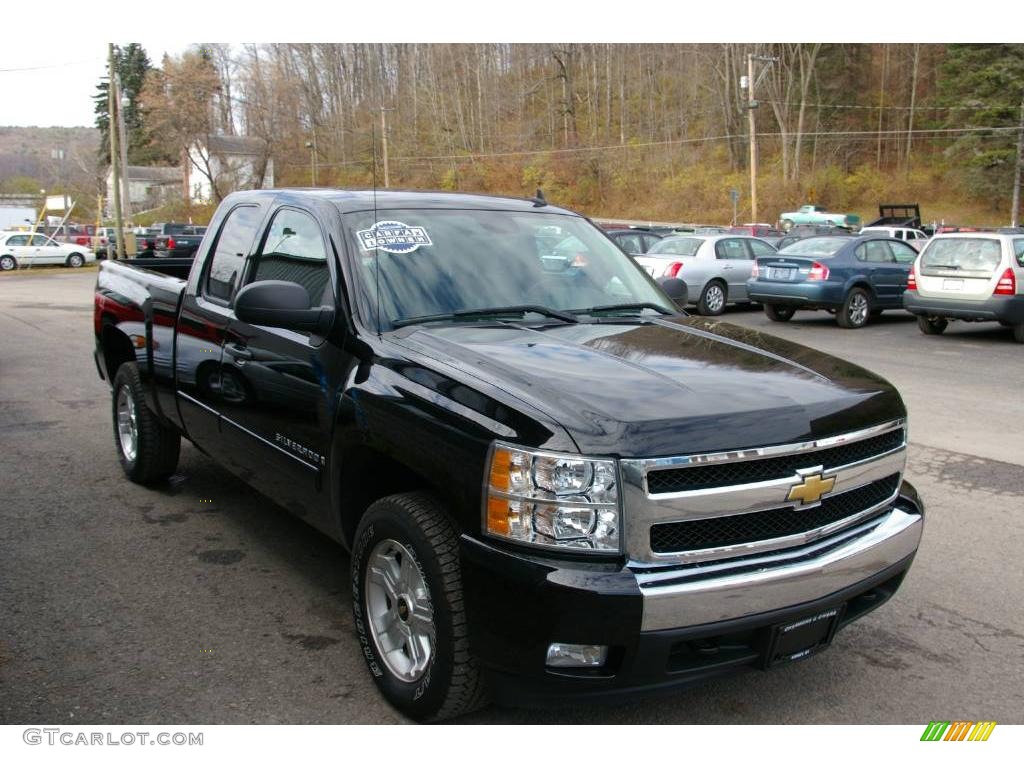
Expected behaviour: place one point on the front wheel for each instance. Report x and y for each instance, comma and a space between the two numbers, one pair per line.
1018, 333
779, 312
409, 610
932, 326
148, 450
76, 260
856, 309
712, 299
787, 224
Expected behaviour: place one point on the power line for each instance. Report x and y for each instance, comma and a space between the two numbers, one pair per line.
50, 66
851, 135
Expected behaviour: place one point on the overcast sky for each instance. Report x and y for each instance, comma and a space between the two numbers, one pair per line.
49, 69
47, 87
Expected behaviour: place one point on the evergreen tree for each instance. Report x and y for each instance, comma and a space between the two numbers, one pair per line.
132, 65
984, 85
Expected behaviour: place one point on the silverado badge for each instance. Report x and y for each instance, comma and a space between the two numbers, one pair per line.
811, 489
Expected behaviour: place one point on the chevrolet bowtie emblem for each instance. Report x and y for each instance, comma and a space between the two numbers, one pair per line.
811, 489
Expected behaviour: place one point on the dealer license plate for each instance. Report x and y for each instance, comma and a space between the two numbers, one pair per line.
952, 285
780, 273
804, 637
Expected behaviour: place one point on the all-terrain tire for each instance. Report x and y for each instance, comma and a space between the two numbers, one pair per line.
153, 455
451, 683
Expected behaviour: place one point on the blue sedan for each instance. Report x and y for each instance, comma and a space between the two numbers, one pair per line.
854, 277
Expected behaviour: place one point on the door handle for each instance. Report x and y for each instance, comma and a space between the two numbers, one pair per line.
238, 352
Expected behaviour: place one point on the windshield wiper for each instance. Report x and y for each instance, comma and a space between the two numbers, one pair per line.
622, 308
519, 310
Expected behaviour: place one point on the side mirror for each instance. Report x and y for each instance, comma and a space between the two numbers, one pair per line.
281, 304
675, 288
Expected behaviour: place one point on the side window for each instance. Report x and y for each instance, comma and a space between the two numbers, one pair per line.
233, 242
18, 240
760, 248
629, 243
731, 249
904, 253
39, 240
649, 241
293, 250
878, 252
1018, 251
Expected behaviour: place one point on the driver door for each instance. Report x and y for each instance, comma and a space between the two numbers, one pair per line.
277, 408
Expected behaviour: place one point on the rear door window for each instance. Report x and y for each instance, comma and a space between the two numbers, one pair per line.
629, 243
904, 253
731, 249
1018, 252
970, 254
229, 254
760, 248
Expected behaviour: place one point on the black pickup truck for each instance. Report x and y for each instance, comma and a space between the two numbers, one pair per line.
552, 482
178, 241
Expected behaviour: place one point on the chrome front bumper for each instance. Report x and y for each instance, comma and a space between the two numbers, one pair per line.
702, 594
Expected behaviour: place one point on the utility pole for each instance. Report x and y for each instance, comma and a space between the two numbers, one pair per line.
311, 146
1015, 210
114, 160
125, 175
384, 143
753, 104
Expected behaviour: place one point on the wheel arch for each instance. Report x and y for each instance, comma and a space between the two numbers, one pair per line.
117, 349
369, 473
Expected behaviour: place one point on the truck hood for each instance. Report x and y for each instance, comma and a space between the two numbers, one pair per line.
671, 386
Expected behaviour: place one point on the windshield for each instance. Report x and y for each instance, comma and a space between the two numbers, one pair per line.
431, 263
971, 254
676, 246
819, 247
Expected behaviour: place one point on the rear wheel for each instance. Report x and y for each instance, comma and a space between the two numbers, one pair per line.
148, 450
7, 263
856, 309
409, 610
712, 299
1018, 333
779, 312
932, 326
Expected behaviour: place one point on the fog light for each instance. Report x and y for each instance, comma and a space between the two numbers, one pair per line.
567, 655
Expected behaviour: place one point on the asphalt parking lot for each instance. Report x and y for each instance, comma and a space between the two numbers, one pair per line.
204, 603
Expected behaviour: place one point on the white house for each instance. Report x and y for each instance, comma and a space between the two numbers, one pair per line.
148, 187
230, 162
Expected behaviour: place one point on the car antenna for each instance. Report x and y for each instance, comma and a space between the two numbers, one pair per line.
538, 199
373, 226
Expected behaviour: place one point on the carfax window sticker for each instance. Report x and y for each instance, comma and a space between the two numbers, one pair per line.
393, 237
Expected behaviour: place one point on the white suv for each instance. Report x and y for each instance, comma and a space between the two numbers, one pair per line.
974, 276
913, 237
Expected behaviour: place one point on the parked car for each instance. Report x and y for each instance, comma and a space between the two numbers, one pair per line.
763, 231
913, 237
803, 231
715, 268
855, 278
23, 249
975, 277
550, 487
816, 214
180, 244
145, 242
633, 241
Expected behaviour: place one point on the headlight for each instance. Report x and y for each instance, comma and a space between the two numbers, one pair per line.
552, 499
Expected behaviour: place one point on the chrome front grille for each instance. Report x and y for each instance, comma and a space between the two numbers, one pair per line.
696, 476
732, 530
737, 503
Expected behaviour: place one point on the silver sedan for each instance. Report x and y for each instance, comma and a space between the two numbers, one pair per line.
715, 268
